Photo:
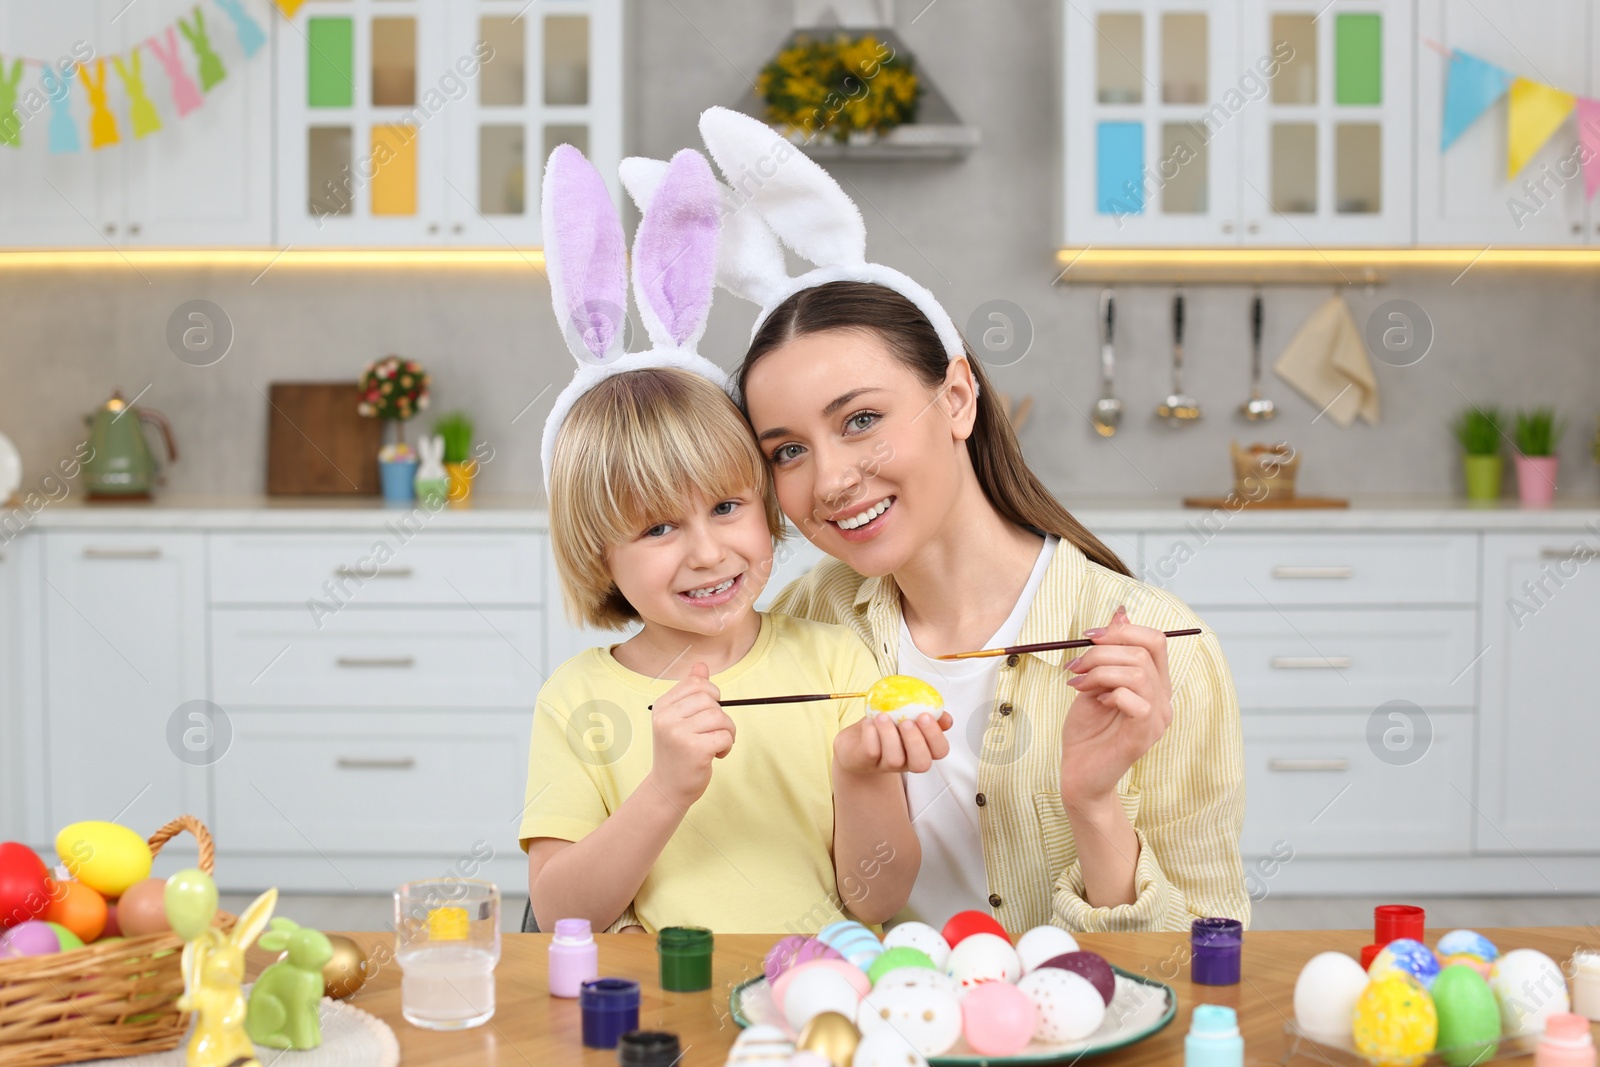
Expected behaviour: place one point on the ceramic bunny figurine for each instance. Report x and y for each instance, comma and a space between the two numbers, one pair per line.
433, 481
213, 970
284, 1000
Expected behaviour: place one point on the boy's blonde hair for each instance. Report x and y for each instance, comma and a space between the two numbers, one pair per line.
627, 457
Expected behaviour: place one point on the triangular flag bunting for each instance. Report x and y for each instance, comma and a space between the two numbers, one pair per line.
63, 130
1536, 112
1589, 138
1471, 88
289, 7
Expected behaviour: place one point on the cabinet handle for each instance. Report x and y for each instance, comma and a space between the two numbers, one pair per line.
134, 228
1227, 227
458, 228
1565, 553
1577, 228
343, 571
1308, 765
1309, 663
1254, 227
122, 553
348, 763
377, 661
111, 227
433, 227
1313, 572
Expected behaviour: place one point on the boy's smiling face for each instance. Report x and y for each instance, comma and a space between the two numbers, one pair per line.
699, 572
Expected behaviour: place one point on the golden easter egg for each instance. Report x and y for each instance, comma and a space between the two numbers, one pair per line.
903, 697
831, 1036
346, 972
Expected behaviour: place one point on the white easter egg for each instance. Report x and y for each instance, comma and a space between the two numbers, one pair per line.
885, 1048
918, 978
919, 936
814, 992
1529, 988
1070, 1008
1043, 943
1325, 996
983, 958
928, 1018
760, 1046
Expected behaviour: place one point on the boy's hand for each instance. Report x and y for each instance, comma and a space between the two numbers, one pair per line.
877, 744
689, 729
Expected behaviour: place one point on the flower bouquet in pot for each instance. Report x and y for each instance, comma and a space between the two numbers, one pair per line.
394, 389
1538, 430
1479, 431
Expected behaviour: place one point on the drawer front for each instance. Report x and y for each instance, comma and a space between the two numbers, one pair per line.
1329, 658
378, 657
347, 783
1257, 570
393, 566
1317, 784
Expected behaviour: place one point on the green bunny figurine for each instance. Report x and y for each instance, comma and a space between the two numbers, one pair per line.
284, 1000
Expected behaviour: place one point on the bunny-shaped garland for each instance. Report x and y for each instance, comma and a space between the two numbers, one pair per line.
674, 272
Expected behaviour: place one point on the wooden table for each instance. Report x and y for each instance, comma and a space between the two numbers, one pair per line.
532, 1028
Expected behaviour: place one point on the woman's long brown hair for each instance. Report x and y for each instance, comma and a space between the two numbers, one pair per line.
1013, 489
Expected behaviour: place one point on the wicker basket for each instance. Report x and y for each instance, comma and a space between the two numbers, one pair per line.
101, 1001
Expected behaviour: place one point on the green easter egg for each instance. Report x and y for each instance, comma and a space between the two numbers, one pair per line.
895, 958
190, 900
68, 939
1469, 1017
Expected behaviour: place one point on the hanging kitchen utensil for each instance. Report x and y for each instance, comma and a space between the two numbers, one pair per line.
120, 464
1258, 408
1108, 409
1179, 409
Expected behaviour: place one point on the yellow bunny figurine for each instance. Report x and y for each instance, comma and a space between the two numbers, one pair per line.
213, 969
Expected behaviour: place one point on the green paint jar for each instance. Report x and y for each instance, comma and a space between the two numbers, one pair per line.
685, 953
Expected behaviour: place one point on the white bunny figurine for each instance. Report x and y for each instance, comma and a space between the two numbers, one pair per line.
433, 483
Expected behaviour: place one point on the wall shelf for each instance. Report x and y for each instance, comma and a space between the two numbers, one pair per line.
1300, 266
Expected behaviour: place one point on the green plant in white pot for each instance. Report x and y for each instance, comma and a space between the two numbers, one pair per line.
1538, 430
1479, 432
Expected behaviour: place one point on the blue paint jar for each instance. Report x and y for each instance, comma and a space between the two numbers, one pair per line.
1213, 1039
610, 1009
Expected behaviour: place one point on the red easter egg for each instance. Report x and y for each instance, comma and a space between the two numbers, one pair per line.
964, 924
113, 928
24, 884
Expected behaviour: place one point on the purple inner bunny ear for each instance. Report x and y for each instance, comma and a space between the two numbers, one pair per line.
585, 248
675, 250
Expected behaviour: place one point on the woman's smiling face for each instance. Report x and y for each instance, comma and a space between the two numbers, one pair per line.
868, 461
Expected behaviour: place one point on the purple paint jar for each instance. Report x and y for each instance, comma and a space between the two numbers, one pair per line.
1215, 948
574, 957
610, 1009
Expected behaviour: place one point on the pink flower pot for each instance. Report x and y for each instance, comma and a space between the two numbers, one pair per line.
1536, 480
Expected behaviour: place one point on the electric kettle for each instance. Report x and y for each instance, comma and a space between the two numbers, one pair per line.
120, 464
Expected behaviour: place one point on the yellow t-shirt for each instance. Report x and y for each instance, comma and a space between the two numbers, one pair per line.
755, 853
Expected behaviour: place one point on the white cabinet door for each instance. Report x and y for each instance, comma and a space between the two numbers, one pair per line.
1154, 93
1463, 195
1536, 783
1327, 149
15, 754
124, 620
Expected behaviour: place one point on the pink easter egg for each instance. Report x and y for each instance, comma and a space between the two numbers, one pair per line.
31, 938
782, 956
998, 1019
854, 975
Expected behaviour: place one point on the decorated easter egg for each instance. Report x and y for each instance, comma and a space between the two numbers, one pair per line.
854, 975
917, 978
64, 937
1404, 954
817, 989
831, 1035
804, 1057
983, 958
1483, 967
1394, 1023
761, 1045
964, 924
1070, 1009
78, 908
998, 1019
780, 957
895, 958
852, 941
1325, 996
1469, 1016
885, 1048
1043, 943
903, 697
1092, 966
1466, 943
1530, 989
34, 937
928, 1018
142, 908
104, 856
920, 936
24, 884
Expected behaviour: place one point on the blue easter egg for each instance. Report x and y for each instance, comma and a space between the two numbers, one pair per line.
1409, 957
1467, 943
854, 942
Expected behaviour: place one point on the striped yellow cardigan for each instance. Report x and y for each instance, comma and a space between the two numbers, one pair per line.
1185, 797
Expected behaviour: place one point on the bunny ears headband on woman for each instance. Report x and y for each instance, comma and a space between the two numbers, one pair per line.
674, 272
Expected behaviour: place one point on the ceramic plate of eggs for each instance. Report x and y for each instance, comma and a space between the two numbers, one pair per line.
964, 994
1460, 1003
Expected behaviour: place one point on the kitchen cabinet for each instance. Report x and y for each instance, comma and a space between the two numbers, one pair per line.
422, 122
202, 179
13, 796
124, 650
1537, 788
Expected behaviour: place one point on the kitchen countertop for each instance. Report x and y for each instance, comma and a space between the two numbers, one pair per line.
487, 512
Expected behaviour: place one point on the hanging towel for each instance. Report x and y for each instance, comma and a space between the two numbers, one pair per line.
1326, 362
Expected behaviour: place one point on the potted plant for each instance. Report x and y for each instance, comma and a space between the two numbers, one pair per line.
456, 429
834, 85
1479, 432
394, 389
1538, 430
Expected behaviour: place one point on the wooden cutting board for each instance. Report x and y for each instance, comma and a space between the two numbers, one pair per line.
1223, 502
318, 444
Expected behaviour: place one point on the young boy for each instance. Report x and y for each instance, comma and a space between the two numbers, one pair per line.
754, 819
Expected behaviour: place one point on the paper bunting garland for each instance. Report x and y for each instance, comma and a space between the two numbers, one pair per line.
289, 7
145, 118
211, 68
1589, 138
250, 36
10, 121
1536, 111
1471, 88
185, 93
102, 123
63, 131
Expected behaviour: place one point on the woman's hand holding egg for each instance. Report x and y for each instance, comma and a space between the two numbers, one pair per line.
1123, 706
689, 730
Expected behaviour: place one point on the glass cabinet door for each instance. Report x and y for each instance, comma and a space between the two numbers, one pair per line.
1151, 122
1327, 149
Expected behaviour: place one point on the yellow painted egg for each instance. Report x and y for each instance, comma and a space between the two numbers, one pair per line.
1395, 1021
104, 856
903, 697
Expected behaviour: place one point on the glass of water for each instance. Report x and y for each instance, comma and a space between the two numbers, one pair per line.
447, 941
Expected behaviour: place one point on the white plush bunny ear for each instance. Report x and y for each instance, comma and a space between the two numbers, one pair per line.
675, 252
585, 257
799, 200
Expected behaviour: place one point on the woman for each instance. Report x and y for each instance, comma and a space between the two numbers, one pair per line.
1104, 792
